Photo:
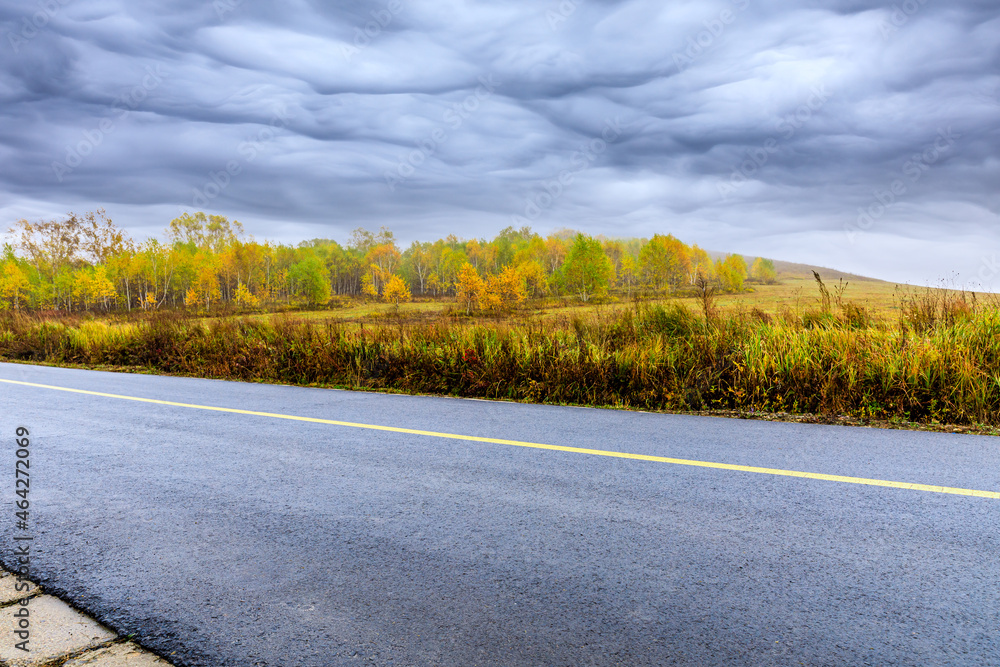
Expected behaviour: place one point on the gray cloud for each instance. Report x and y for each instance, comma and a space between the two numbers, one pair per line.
290, 118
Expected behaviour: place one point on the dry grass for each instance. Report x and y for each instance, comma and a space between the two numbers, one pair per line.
794, 294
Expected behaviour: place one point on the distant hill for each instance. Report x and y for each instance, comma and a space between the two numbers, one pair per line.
805, 270
794, 270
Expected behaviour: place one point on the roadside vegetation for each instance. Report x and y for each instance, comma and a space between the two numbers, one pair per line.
639, 324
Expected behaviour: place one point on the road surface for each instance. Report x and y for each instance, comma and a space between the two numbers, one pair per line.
226, 538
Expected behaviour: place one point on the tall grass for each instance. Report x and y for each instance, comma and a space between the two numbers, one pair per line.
944, 369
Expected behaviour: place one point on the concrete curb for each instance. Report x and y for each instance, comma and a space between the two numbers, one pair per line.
58, 635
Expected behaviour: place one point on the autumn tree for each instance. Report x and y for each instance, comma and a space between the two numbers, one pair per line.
204, 232
92, 287
504, 291
481, 255
535, 280
57, 248
469, 287
615, 250
448, 263
382, 260
587, 271
204, 286
763, 271
418, 262
434, 283
532, 250
368, 289
507, 244
51, 247
363, 240
244, 298
14, 282
395, 291
665, 262
731, 271
243, 264
345, 267
555, 254
99, 238
701, 265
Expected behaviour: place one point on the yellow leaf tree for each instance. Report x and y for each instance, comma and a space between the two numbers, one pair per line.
505, 291
665, 262
395, 291
91, 286
469, 287
732, 271
244, 298
368, 286
13, 285
534, 276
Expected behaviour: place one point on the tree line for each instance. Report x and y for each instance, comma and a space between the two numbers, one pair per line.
85, 262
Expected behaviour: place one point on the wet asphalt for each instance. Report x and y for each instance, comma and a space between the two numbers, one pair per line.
226, 539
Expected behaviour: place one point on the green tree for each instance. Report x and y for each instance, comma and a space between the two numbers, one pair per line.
448, 263
417, 262
665, 262
311, 280
732, 271
587, 271
763, 271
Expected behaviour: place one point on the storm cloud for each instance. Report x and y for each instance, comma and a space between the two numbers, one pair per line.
850, 133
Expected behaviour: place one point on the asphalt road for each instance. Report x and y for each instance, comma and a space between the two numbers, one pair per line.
230, 539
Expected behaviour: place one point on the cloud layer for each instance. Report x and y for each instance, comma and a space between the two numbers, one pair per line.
850, 133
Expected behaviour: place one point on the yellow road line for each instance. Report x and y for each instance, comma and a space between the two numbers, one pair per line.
536, 445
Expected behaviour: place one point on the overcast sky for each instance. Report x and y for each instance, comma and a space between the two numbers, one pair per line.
856, 134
